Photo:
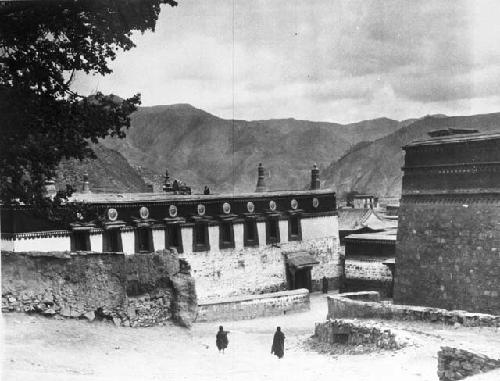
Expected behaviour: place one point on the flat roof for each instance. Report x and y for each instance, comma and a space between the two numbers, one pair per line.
458, 138
382, 236
163, 196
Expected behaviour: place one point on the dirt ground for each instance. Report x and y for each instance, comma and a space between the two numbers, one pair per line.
38, 348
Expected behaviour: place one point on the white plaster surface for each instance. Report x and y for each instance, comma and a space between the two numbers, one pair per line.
239, 235
128, 242
7, 245
159, 239
96, 242
43, 244
213, 238
318, 227
248, 270
187, 239
261, 229
283, 231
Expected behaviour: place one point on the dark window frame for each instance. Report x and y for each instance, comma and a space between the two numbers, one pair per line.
296, 235
80, 240
107, 241
249, 242
226, 244
148, 238
272, 240
201, 246
174, 230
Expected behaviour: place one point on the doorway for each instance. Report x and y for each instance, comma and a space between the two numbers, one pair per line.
299, 277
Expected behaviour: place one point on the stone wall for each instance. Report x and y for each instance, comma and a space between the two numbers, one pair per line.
253, 306
448, 253
342, 306
367, 274
136, 290
247, 270
355, 333
457, 364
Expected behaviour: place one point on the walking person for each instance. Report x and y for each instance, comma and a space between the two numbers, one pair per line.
221, 339
278, 347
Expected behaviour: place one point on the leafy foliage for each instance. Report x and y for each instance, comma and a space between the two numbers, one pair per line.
42, 120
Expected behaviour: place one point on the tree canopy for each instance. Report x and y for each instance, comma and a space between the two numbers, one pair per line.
42, 120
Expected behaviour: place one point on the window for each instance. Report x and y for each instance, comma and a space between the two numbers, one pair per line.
200, 237
80, 240
173, 237
226, 234
273, 231
144, 240
112, 241
294, 228
250, 233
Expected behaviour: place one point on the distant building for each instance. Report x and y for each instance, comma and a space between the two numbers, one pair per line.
357, 221
366, 241
364, 201
366, 262
447, 251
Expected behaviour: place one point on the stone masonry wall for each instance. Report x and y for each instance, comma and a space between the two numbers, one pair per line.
457, 364
253, 306
448, 254
356, 333
135, 290
246, 270
345, 306
361, 275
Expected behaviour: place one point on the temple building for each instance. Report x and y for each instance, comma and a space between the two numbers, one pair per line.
448, 243
236, 244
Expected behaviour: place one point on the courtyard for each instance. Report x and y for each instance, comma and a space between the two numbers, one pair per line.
37, 348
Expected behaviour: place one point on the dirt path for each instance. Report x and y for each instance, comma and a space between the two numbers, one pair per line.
38, 349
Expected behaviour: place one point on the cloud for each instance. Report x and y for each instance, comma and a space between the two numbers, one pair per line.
329, 60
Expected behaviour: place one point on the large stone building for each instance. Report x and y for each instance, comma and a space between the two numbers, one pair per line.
235, 244
448, 243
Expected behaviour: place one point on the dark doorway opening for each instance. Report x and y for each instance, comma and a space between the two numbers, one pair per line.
299, 277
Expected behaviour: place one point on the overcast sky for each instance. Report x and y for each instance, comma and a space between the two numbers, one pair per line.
327, 60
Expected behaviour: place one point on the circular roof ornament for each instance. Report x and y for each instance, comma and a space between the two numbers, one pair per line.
226, 208
294, 204
272, 205
201, 209
172, 211
250, 207
112, 214
315, 202
144, 212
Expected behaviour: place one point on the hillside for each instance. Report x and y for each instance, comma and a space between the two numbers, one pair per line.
109, 172
203, 149
376, 167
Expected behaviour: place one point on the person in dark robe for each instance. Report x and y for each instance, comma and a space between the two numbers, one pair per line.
278, 347
221, 339
325, 285
206, 190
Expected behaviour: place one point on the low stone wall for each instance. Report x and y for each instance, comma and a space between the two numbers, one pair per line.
341, 306
354, 333
136, 290
254, 306
457, 364
361, 275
